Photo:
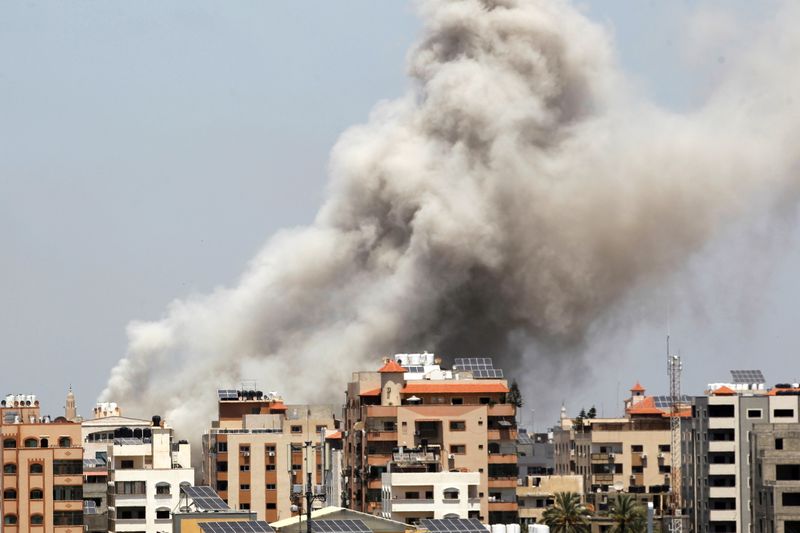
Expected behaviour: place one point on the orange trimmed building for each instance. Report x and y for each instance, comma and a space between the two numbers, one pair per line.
426, 442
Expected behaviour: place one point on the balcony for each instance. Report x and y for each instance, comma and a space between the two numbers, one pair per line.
379, 459
722, 446
503, 505
722, 423
502, 482
382, 435
502, 458
381, 411
721, 469
501, 434
715, 515
416, 457
722, 492
502, 409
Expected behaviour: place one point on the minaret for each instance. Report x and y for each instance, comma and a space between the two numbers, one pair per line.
70, 412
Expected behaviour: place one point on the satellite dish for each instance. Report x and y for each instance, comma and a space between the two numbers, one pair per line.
618, 486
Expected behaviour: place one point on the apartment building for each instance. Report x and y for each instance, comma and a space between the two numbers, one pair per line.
628, 454
415, 487
535, 454
536, 493
258, 452
42, 469
420, 426
146, 469
97, 433
732, 454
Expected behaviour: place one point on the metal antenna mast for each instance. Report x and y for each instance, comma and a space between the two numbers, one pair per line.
674, 368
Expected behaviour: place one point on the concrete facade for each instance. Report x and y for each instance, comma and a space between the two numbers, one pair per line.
536, 493
409, 496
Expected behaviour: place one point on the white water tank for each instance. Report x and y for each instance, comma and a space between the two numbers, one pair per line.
512, 528
538, 528
499, 528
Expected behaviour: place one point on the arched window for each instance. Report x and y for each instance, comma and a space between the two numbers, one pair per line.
64, 442
31, 443
162, 513
9, 494
37, 494
36, 468
451, 493
9, 443
9, 468
44, 443
10, 520
37, 519
162, 489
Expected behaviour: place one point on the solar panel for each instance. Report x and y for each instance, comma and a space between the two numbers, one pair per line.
665, 402
747, 376
453, 525
415, 369
481, 367
89, 507
251, 526
340, 526
228, 394
205, 498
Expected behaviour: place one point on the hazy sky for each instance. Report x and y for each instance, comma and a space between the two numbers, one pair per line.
148, 150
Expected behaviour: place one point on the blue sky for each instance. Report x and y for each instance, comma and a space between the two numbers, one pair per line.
148, 150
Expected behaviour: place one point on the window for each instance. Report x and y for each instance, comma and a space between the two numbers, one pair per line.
37, 520
244, 450
222, 447
244, 506
451, 493
412, 495
9, 443
484, 401
664, 448
269, 449
458, 449
162, 489
637, 448
126, 464
457, 401
778, 444
9, 468
10, 520
721, 411
320, 429
272, 486
270, 467
458, 425
664, 469
222, 485
244, 468
44, 443
222, 466
65, 467
31, 443
9, 494
37, 494
783, 413
131, 487
790, 499
297, 429
271, 506
64, 442
787, 472
244, 486
637, 469
131, 513
36, 468
68, 518
754, 413
68, 492
162, 513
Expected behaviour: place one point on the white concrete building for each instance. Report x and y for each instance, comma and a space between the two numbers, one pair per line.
145, 475
410, 496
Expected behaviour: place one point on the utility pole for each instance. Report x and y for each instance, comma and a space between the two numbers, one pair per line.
674, 368
310, 495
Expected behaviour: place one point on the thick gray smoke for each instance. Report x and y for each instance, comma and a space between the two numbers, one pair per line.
516, 196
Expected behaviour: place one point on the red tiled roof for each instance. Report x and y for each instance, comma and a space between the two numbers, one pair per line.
445, 387
371, 392
724, 391
335, 435
637, 388
645, 407
277, 406
776, 390
391, 366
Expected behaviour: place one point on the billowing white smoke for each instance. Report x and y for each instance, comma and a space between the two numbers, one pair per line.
511, 200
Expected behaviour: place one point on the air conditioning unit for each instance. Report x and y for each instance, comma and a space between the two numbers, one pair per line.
644, 455
660, 455
246, 454
272, 454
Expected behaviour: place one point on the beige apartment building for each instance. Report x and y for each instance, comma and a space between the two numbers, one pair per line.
42, 469
413, 424
536, 493
257, 453
630, 453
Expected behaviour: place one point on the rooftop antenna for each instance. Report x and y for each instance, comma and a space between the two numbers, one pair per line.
674, 368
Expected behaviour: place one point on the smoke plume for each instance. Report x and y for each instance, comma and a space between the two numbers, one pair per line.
518, 194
